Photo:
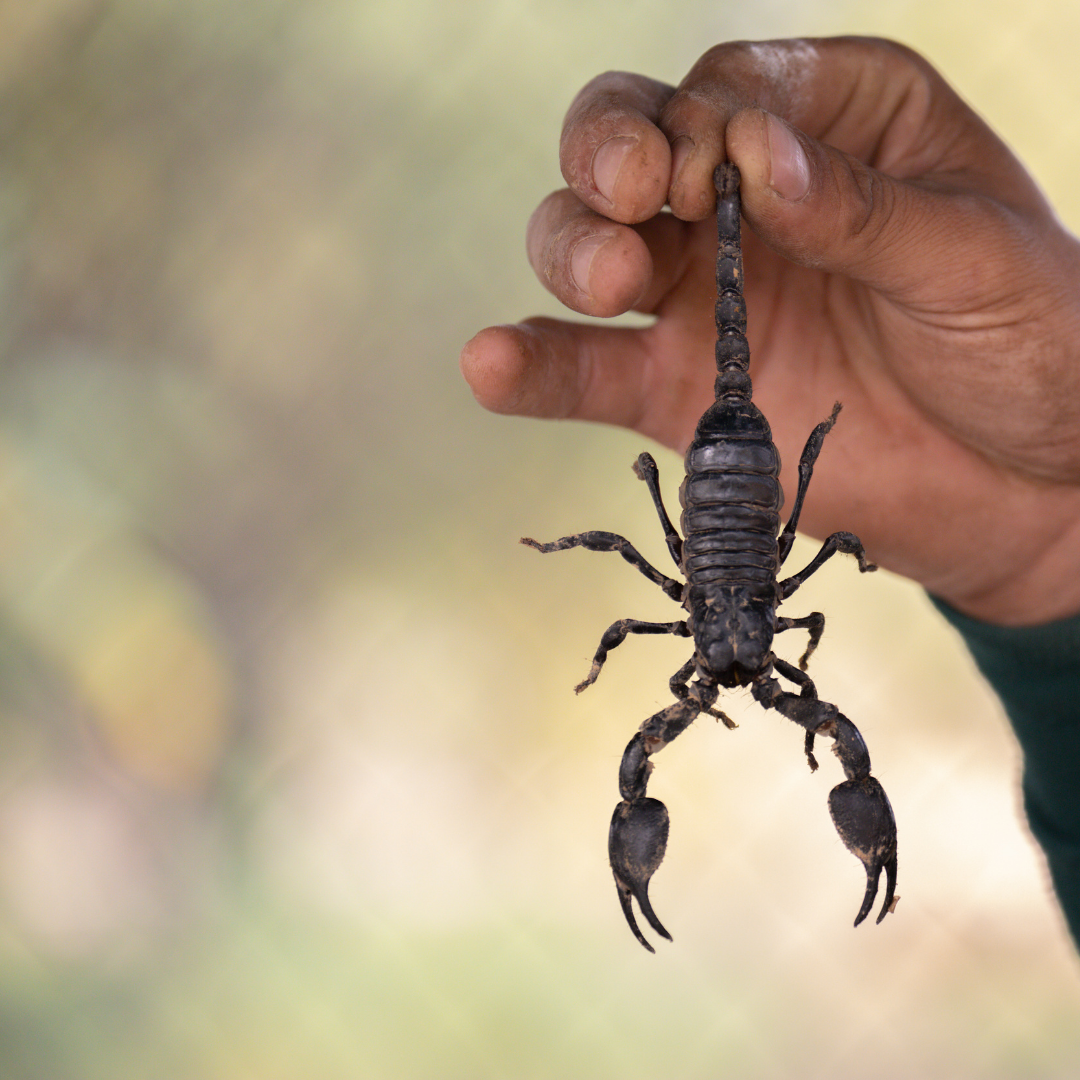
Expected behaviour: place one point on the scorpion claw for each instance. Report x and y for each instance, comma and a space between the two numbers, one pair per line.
864, 819
636, 845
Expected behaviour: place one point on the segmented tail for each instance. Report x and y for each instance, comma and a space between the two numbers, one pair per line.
732, 348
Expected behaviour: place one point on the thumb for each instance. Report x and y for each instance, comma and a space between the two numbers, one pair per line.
827, 210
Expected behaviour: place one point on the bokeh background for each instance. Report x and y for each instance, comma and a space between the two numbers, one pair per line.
292, 779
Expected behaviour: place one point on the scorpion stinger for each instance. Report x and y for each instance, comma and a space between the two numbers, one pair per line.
730, 554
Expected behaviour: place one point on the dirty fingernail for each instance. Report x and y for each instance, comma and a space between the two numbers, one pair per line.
606, 163
581, 260
789, 167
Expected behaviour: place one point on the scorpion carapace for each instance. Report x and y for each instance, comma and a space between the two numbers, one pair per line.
730, 554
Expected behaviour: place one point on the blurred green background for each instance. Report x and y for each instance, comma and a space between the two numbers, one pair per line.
292, 779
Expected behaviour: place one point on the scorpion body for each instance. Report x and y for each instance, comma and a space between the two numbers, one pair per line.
730, 554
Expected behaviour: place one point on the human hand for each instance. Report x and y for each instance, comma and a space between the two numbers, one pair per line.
898, 258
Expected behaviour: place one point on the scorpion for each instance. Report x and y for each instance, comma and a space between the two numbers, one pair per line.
730, 555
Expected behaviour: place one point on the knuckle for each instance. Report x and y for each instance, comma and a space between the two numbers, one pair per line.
602, 88
868, 203
889, 51
724, 54
691, 112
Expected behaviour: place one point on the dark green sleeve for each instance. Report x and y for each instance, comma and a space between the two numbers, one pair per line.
1035, 670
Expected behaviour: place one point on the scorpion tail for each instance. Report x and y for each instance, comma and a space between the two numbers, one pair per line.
864, 819
637, 841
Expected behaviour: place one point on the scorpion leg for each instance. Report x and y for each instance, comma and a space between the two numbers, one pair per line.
846, 542
645, 469
605, 541
616, 633
806, 469
638, 835
806, 690
859, 807
678, 685
814, 622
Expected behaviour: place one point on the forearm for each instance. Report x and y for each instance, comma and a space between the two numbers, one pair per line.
1035, 670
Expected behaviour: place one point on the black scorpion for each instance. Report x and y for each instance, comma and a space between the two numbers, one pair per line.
730, 555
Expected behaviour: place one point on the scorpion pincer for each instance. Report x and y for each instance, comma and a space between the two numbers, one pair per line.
730, 554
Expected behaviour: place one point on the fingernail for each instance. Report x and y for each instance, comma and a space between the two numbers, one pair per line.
606, 163
581, 260
681, 149
789, 167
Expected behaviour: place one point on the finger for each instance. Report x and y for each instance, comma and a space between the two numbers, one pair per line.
825, 209
630, 143
613, 156
560, 370
842, 89
599, 267
557, 370
873, 99
591, 264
